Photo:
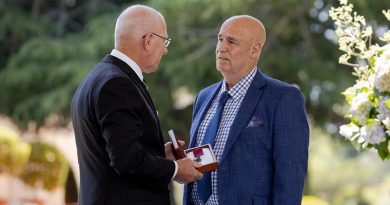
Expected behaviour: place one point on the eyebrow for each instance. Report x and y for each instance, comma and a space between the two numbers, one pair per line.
232, 39
229, 38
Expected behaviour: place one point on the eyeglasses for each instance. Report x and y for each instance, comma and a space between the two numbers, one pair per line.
167, 40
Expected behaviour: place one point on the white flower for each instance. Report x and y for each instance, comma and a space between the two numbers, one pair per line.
367, 32
371, 80
360, 45
382, 81
360, 107
386, 122
387, 14
382, 71
362, 84
373, 132
383, 108
349, 130
351, 92
385, 37
343, 2
344, 58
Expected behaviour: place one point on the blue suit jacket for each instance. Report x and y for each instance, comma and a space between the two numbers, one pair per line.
265, 157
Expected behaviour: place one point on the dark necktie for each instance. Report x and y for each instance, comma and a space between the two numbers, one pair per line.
204, 185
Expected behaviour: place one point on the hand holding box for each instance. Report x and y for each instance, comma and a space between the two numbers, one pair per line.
203, 154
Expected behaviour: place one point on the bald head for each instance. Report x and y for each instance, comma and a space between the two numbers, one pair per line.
240, 41
134, 22
251, 28
141, 35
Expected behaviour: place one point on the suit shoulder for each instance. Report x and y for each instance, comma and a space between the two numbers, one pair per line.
102, 74
105, 72
209, 89
275, 84
205, 92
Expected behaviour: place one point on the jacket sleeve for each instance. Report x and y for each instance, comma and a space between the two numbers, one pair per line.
118, 109
291, 140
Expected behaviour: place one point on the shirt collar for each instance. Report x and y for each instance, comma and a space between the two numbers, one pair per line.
133, 65
241, 87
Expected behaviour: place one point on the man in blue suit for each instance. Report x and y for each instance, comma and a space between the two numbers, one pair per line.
261, 139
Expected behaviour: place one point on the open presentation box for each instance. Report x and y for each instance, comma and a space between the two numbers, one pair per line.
203, 154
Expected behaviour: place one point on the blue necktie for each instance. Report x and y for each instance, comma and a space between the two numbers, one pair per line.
204, 185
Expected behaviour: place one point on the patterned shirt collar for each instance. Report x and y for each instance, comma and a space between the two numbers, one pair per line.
239, 89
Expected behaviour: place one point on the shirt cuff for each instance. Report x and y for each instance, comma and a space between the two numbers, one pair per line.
174, 174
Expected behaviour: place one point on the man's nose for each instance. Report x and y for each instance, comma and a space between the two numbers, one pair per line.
220, 47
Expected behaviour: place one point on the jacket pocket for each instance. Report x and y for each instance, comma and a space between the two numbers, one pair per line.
257, 136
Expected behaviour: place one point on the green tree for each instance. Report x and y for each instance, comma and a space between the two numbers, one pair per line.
39, 80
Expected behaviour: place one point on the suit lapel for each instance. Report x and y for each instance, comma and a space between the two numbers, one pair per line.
202, 112
152, 109
245, 111
139, 85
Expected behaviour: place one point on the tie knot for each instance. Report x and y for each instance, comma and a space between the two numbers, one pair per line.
224, 97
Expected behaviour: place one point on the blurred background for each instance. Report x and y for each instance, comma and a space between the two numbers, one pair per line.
48, 46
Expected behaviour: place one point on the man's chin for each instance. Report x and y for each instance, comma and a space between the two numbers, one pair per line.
150, 70
222, 68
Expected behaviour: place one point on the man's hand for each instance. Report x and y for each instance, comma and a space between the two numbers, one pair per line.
168, 150
186, 172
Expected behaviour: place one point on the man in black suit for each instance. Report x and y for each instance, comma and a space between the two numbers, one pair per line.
120, 148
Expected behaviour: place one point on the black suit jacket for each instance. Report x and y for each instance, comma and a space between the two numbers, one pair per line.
119, 142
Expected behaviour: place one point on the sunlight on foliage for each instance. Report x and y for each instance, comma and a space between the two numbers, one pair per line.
13, 152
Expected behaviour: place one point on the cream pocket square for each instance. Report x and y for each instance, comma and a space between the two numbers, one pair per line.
255, 122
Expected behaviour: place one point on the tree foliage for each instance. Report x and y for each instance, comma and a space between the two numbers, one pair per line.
41, 78
41, 74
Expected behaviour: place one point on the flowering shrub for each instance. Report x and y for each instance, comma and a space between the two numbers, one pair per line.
47, 167
369, 98
13, 152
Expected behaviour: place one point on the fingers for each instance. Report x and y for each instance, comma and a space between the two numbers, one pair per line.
198, 175
182, 143
167, 146
168, 151
196, 164
187, 171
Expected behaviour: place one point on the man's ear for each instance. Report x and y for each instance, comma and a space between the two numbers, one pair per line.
256, 49
147, 42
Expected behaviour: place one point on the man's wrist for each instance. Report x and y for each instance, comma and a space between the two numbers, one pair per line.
176, 168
